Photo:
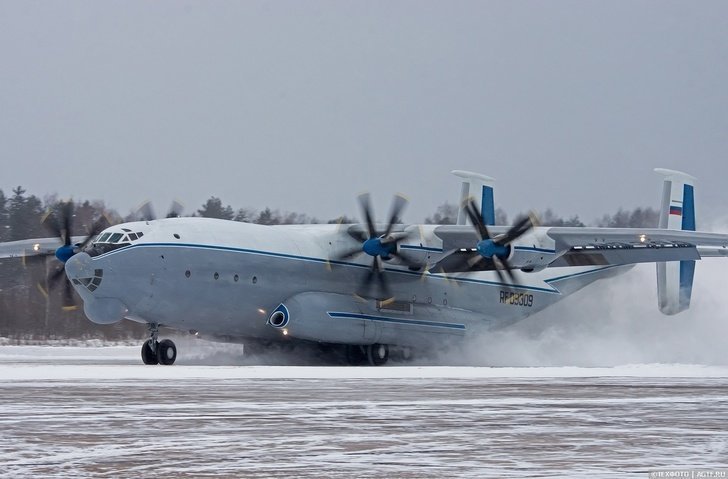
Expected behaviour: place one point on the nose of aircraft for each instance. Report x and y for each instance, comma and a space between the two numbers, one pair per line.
79, 266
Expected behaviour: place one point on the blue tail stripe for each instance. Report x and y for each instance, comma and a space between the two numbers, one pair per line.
488, 206
687, 272
688, 208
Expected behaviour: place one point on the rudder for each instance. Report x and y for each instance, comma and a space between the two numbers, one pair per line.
677, 211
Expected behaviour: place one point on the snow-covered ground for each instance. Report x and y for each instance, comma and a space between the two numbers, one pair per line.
96, 411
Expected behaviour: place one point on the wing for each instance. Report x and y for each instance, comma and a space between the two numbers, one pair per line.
33, 247
620, 246
563, 247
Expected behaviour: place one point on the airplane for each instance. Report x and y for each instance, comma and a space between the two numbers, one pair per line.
369, 288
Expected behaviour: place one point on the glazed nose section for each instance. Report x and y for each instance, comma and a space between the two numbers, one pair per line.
78, 266
82, 273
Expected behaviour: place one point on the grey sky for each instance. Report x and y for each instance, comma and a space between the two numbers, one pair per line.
302, 105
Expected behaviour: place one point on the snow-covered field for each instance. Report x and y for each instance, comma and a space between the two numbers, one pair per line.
96, 411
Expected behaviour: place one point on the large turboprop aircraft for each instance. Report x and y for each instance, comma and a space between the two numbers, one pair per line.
368, 287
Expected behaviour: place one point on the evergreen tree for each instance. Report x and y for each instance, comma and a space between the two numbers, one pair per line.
446, 214
638, 218
24, 216
549, 218
213, 208
268, 217
4, 225
245, 215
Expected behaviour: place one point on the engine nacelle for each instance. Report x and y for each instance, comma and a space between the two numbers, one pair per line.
342, 319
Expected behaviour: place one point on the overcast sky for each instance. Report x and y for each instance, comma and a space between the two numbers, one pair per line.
303, 105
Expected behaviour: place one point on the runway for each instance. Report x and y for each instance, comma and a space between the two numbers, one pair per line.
96, 412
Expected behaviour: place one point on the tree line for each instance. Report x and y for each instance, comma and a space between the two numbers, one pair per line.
447, 213
30, 310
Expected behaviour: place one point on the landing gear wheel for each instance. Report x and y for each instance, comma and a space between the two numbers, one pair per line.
355, 355
377, 354
149, 354
166, 352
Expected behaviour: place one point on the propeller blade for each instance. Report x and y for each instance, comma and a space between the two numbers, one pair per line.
366, 210
398, 205
498, 268
375, 273
30, 260
50, 223
395, 237
409, 262
357, 234
99, 225
66, 218
501, 265
382, 278
476, 218
69, 302
145, 212
474, 259
175, 209
55, 276
521, 227
366, 283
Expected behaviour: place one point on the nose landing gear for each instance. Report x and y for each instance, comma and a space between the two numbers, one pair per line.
158, 352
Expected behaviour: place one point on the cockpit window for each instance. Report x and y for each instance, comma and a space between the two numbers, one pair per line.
111, 241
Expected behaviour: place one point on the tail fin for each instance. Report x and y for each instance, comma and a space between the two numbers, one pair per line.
480, 187
677, 211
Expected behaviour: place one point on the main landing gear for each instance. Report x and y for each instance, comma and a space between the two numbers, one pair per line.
158, 352
371, 354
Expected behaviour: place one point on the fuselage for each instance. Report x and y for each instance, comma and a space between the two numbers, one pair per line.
224, 278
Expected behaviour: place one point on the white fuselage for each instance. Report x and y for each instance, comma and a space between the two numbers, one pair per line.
224, 278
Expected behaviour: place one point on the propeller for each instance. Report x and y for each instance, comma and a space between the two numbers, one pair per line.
490, 253
59, 223
145, 212
380, 245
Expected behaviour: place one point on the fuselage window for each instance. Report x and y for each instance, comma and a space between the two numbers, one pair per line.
115, 237
132, 236
140, 234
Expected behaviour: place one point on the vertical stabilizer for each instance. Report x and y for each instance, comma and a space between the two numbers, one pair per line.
479, 187
677, 211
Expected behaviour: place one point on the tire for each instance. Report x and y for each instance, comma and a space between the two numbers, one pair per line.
166, 352
149, 354
377, 354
